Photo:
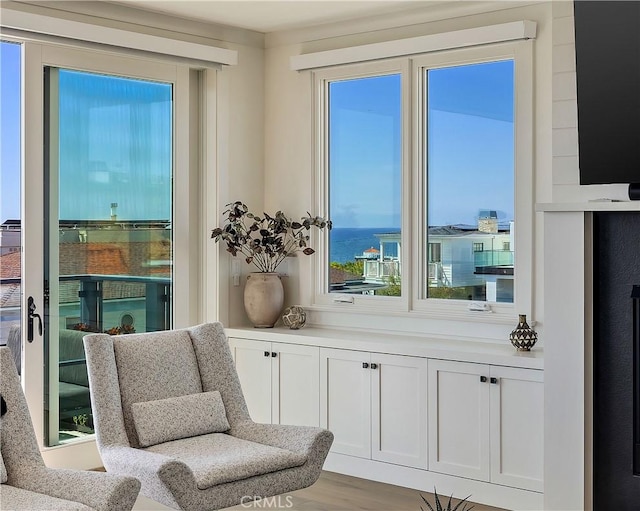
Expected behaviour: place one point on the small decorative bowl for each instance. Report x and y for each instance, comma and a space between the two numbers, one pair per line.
294, 317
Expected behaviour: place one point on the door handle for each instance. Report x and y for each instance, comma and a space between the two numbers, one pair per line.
31, 314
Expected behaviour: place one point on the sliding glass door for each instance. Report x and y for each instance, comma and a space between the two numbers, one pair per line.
89, 223
108, 225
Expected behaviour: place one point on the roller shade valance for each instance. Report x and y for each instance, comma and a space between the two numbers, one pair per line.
114, 37
503, 32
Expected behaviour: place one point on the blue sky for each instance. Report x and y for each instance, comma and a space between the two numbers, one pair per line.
469, 147
115, 144
9, 131
115, 147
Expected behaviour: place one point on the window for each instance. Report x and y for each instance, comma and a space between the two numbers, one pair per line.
435, 252
468, 165
421, 184
364, 171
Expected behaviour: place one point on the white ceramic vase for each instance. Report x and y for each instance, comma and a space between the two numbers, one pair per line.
263, 299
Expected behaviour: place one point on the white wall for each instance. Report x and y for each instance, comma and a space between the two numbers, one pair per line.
289, 130
240, 163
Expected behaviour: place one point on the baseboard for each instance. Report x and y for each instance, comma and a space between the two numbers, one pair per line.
423, 480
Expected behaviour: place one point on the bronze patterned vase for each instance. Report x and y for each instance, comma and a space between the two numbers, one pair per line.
523, 337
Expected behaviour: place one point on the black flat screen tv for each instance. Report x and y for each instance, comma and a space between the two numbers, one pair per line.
607, 36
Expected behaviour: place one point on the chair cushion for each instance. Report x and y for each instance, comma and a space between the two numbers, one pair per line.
3, 470
220, 458
173, 418
18, 499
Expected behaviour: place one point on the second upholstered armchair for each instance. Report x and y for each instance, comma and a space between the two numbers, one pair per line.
27, 484
168, 409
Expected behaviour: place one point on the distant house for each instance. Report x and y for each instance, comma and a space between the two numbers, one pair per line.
370, 253
462, 256
477, 257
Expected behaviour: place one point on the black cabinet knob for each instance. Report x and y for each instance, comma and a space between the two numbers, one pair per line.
266, 354
494, 381
274, 354
365, 365
374, 366
483, 379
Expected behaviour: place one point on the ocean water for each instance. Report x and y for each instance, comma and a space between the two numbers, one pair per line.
347, 242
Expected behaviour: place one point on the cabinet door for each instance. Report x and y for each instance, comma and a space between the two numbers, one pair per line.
295, 383
345, 400
517, 404
253, 363
399, 410
458, 414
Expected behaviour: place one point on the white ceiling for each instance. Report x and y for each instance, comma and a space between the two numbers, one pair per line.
272, 15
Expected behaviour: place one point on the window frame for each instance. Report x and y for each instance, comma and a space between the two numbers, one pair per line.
521, 52
320, 266
413, 234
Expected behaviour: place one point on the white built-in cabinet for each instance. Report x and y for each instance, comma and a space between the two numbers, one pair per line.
411, 416
280, 381
486, 423
376, 405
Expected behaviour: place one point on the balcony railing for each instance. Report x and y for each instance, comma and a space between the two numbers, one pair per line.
156, 292
493, 258
381, 269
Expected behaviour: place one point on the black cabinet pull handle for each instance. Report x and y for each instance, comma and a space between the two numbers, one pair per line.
267, 354
365, 365
483, 379
274, 354
374, 366
494, 381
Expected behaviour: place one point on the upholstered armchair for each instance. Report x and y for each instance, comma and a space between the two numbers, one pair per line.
168, 409
27, 484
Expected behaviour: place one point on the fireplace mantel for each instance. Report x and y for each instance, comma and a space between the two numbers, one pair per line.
568, 304
596, 205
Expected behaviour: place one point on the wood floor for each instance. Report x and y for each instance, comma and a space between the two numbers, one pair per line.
335, 492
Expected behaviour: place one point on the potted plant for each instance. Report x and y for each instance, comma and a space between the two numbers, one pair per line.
265, 241
449, 506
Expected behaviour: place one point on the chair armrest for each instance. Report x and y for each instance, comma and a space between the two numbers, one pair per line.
98, 490
148, 467
301, 439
